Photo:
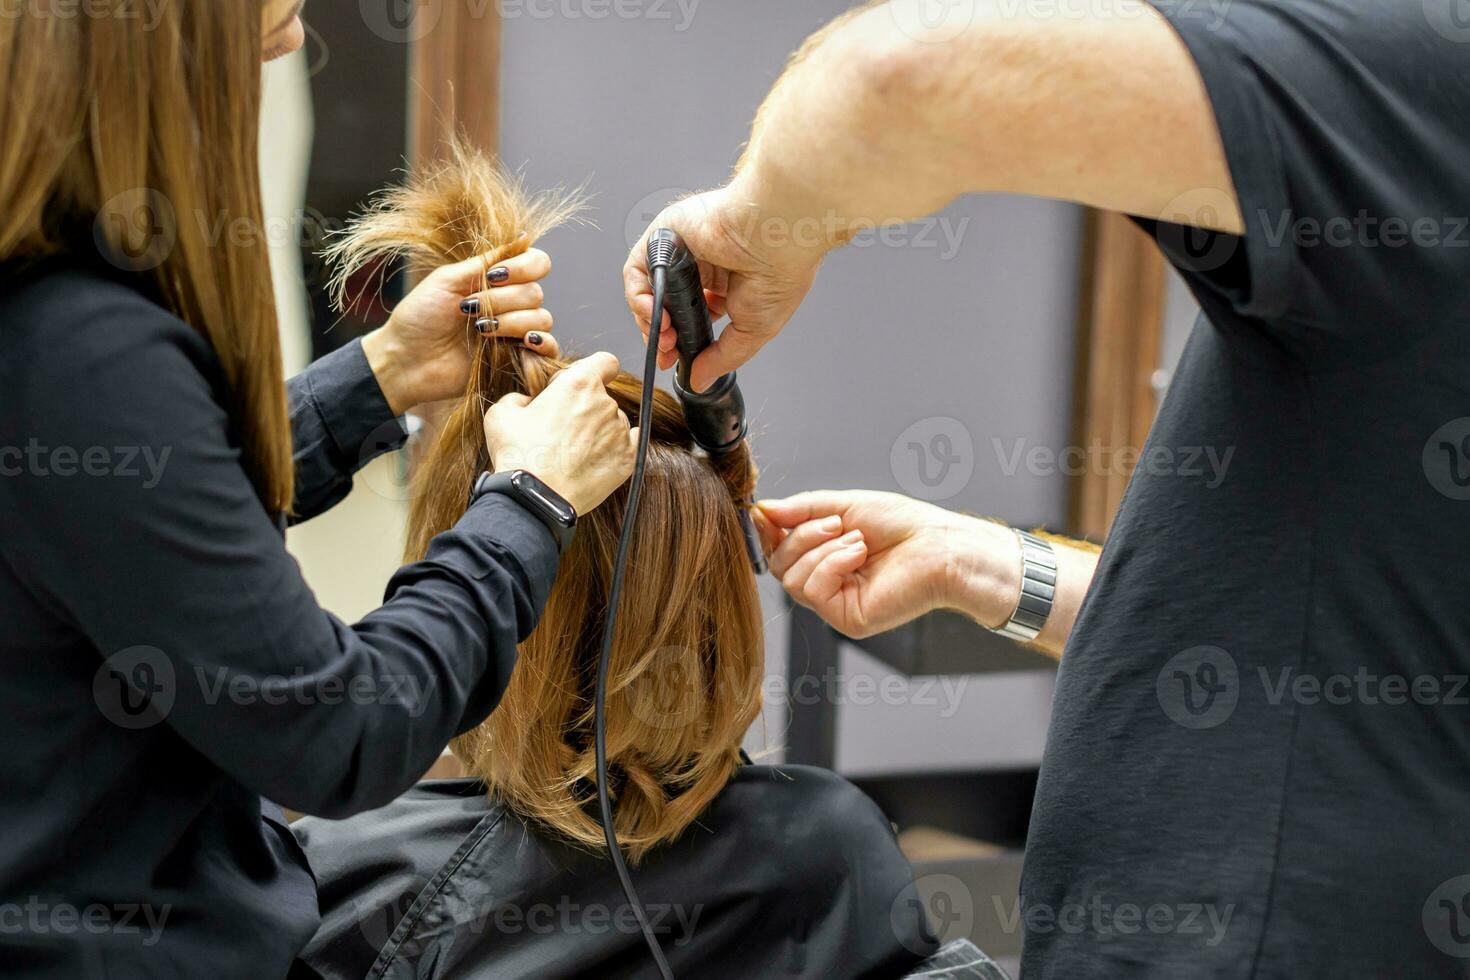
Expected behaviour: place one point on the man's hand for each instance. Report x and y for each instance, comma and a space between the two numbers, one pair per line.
755, 272
867, 562
572, 436
884, 117
422, 354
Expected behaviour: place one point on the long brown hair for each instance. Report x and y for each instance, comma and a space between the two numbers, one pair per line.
686, 664
139, 134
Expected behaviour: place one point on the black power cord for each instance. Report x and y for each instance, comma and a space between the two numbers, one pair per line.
658, 266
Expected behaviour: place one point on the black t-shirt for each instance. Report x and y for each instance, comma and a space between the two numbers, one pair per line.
1259, 760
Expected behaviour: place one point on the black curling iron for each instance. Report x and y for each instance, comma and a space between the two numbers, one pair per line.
716, 416
716, 420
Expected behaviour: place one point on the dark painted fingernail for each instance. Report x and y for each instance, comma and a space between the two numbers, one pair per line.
534, 339
470, 306
498, 274
487, 325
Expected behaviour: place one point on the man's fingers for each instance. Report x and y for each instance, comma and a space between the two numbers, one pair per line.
642, 307
802, 507
801, 540
795, 578
771, 535
715, 301
636, 284
831, 574
733, 348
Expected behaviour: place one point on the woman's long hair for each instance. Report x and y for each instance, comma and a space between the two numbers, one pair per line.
686, 666
139, 134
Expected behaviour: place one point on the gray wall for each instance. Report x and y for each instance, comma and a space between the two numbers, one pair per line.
963, 329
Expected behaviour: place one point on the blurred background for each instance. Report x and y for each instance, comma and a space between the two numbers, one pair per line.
999, 358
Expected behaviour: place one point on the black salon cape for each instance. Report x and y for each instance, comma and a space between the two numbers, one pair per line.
1259, 755
136, 843
791, 872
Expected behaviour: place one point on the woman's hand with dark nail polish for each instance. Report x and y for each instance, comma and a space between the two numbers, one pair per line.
420, 354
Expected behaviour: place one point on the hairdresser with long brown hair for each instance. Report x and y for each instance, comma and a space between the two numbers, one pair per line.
164, 669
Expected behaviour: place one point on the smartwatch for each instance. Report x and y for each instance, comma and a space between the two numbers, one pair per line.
546, 504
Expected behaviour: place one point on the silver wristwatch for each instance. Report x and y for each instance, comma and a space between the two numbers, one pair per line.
1038, 588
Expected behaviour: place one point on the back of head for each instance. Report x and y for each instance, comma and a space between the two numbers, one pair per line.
686, 665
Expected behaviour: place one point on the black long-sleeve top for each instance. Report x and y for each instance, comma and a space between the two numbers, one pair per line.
164, 668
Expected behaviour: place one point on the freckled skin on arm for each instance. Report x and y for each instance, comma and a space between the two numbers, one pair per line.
1103, 108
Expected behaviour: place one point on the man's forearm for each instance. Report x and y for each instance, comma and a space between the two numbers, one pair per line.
824, 149
887, 115
985, 579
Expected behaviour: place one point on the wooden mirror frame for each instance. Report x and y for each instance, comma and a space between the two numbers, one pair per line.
1119, 335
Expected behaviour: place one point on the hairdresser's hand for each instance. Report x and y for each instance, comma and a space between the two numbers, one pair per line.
422, 354
867, 562
572, 435
756, 267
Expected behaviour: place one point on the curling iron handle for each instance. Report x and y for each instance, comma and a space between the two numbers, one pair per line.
684, 301
683, 297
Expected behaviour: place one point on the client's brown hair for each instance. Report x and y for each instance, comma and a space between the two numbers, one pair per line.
686, 666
